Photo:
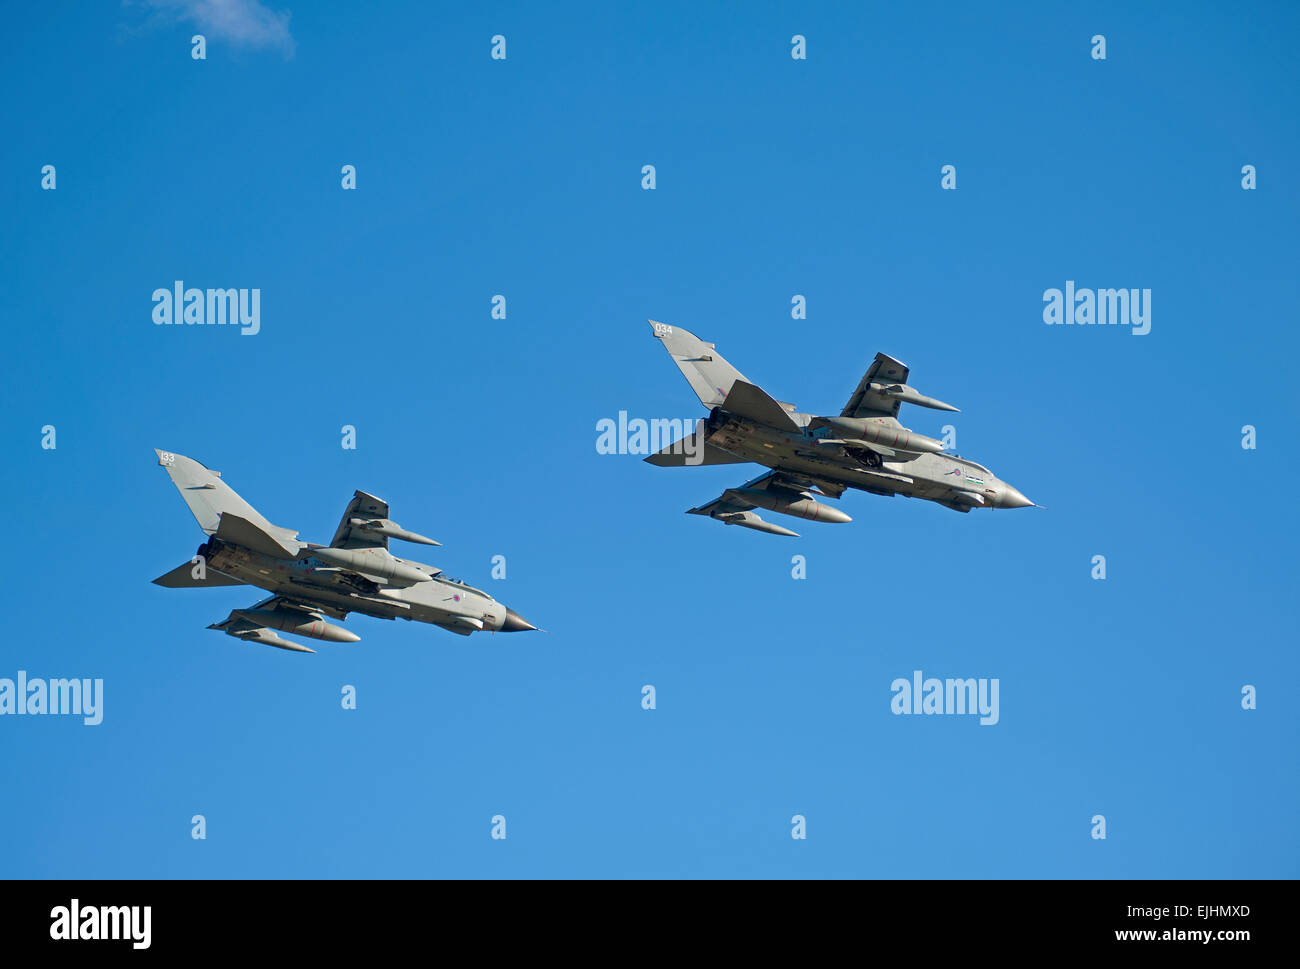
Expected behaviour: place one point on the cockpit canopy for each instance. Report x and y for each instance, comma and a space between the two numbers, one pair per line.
446, 579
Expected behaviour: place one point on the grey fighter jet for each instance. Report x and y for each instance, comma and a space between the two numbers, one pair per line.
308, 582
865, 447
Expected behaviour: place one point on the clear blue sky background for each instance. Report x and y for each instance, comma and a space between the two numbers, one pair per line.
775, 177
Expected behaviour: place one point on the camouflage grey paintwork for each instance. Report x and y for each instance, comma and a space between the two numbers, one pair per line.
864, 447
309, 582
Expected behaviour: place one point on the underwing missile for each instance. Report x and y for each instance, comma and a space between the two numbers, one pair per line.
268, 638
385, 526
372, 561
747, 519
909, 395
299, 623
795, 504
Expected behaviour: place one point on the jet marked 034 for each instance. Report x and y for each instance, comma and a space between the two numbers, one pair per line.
812, 457
354, 573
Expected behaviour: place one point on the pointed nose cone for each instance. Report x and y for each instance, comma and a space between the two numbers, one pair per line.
1012, 498
515, 623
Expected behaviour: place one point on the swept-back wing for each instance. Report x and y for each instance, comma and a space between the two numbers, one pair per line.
883, 388
365, 524
775, 491
259, 624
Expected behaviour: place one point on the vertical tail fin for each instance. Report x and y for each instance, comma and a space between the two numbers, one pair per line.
709, 375
208, 497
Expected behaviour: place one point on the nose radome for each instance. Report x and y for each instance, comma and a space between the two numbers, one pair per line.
1012, 498
515, 623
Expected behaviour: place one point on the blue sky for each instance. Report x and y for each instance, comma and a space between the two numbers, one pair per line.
775, 177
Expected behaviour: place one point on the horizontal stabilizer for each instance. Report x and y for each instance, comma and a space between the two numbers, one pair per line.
694, 451
182, 577
746, 400
242, 532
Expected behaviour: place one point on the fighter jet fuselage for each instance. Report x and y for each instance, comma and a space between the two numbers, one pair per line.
811, 457
434, 599
308, 582
819, 451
